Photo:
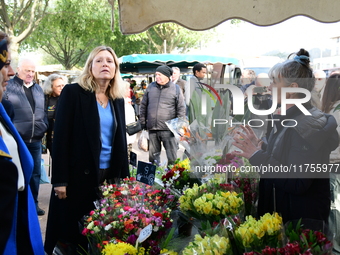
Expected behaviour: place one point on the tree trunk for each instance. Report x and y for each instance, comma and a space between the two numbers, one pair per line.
14, 48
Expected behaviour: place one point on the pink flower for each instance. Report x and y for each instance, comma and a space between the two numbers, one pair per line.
85, 231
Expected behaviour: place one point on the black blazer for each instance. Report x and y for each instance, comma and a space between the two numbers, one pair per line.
75, 159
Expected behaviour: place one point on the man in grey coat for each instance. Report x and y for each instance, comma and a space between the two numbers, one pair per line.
162, 101
30, 119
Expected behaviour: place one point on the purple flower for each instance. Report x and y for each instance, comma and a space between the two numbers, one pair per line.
158, 221
132, 239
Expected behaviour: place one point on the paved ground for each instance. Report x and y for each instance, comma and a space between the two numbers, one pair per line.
45, 189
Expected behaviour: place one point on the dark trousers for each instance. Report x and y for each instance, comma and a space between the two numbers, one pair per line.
156, 138
35, 150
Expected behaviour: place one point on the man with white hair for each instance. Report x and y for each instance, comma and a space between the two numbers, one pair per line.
320, 81
30, 119
176, 79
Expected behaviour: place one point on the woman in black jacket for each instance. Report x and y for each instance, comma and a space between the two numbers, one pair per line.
293, 187
52, 89
89, 146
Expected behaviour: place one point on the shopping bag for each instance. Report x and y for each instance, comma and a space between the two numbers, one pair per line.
43, 176
143, 141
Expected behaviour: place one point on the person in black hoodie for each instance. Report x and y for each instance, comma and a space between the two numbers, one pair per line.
299, 191
52, 89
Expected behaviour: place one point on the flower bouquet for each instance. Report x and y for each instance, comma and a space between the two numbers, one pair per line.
217, 245
309, 242
124, 211
255, 235
247, 181
212, 201
179, 177
311, 235
121, 248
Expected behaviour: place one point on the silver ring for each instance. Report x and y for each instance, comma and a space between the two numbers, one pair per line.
56, 194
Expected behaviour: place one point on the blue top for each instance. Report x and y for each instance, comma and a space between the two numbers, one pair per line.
106, 127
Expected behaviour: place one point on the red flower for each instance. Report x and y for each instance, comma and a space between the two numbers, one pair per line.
118, 193
157, 214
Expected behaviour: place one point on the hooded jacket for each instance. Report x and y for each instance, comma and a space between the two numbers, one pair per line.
161, 103
31, 125
299, 191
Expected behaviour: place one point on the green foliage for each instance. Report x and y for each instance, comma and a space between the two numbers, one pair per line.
167, 239
20, 18
73, 28
175, 37
293, 233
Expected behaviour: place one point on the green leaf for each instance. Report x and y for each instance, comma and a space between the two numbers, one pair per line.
337, 108
166, 242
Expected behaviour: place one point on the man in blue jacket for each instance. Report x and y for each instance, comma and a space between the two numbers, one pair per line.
30, 119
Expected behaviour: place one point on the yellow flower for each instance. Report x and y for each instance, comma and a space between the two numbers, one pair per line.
215, 245
167, 252
209, 196
119, 249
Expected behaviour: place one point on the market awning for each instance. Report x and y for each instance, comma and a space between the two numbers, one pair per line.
137, 16
147, 63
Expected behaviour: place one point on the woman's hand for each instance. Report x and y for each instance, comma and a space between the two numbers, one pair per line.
249, 132
246, 141
60, 192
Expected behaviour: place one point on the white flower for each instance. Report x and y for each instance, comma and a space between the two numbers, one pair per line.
96, 229
90, 226
176, 174
108, 227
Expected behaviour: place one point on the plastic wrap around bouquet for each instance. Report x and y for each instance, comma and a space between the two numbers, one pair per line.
212, 201
124, 211
199, 142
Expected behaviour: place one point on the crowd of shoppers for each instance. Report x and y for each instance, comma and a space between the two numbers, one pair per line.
85, 126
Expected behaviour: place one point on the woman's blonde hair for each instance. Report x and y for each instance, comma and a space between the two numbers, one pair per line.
116, 88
